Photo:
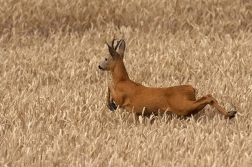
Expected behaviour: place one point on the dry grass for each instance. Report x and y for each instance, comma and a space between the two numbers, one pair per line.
52, 95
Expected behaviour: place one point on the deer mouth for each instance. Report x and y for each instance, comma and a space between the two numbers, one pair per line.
100, 67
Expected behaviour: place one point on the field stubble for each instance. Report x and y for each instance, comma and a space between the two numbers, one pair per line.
52, 95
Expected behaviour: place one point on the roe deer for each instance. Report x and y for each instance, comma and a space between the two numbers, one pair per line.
132, 96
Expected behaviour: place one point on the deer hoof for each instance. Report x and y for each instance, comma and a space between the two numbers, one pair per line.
112, 106
231, 114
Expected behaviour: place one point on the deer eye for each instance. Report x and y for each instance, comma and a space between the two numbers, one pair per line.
106, 59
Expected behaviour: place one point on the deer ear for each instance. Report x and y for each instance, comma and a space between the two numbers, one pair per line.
122, 46
112, 52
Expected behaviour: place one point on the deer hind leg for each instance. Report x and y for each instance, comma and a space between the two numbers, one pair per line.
208, 99
110, 103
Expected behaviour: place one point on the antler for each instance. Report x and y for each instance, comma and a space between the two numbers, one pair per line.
118, 43
113, 42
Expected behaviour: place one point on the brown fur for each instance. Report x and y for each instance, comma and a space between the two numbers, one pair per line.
137, 98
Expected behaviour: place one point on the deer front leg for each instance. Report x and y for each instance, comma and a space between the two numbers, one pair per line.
109, 99
110, 103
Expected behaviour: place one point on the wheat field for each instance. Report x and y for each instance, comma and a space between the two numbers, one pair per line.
52, 94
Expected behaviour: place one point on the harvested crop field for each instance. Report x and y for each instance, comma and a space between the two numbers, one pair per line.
52, 94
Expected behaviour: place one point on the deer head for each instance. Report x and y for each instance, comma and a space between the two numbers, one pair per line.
116, 53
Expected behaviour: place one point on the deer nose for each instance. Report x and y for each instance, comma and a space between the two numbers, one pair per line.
100, 67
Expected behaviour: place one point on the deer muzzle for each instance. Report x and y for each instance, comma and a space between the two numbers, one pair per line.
100, 67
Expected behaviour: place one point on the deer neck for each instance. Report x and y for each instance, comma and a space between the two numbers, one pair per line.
119, 72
